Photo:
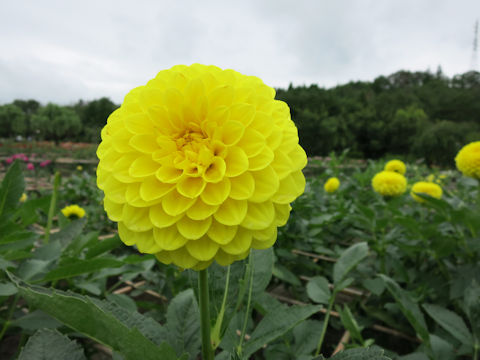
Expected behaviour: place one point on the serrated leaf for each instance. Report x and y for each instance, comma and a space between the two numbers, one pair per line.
81, 267
11, 189
348, 260
49, 344
273, 326
408, 307
361, 354
451, 322
318, 290
95, 319
183, 324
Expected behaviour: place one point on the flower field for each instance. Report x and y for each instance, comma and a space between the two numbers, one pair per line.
354, 274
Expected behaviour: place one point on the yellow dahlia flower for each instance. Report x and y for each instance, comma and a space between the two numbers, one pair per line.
79, 167
389, 183
396, 165
200, 164
427, 188
331, 185
468, 160
23, 198
73, 212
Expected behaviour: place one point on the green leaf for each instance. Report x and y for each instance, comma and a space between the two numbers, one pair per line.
373, 353
11, 189
408, 307
81, 267
318, 290
262, 261
103, 246
348, 260
31, 268
472, 307
69, 232
286, 275
275, 324
36, 320
7, 289
349, 322
96, 320
306, 335
442, 349
451, 322
183, 324
375, 286
49, 344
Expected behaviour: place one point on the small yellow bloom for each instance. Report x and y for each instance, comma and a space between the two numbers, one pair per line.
427, 188
332, 185
389, 183
396, 166
79, 167
23, 198
468, 160
200, 165
430, 178
73, 212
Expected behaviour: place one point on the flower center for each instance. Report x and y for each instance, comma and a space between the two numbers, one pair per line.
194, 153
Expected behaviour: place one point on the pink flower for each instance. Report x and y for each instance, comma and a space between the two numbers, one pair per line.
9, 160
30, 166
45, 163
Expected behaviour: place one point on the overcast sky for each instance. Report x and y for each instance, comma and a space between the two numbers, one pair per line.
63, 51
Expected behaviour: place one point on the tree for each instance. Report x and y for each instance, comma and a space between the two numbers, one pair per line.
54, 122
12, 121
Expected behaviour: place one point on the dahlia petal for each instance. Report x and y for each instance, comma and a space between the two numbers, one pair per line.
127, 236
160, 218
298, 157
221, 234
242, 186
216, 171
265, 234
223, 258
144, 143
168, 174
236, 161
132, 195
231, 212
289, 138
160, 119
121, 168
116, 190
290, 188
194, 93
152, 189
136, 219
261, 160
200, 210
244, 113
259, 216
164, 257
175, 204
282, 212
202, 265
275, 138
193, 229
261, 245
215, 117
169, 238
114, 210
143, 166
252, 142
149, 97
240, 243
215, 194
262, 123
108, 159
202, 249
143, 240
282, 164
220, 96
120, 141
183, 259
191, 187
173, 98
266, 184
138, 124
232, 131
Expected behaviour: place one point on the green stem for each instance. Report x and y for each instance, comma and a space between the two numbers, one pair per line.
249, 300
7, 322
207, 350
51, 209
325, 323
476, 347
218, 324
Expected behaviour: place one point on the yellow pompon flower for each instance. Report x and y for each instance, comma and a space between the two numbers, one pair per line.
331, 185
468, 160
431, 178
396, 165
200, 165
389, 183
427, 188
79, 167
23, 198
73, 212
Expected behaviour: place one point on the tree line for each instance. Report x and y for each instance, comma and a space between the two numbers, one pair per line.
412, 114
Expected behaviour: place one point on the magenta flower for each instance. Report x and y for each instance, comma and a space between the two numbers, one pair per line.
45, 163
9, 160
30, 166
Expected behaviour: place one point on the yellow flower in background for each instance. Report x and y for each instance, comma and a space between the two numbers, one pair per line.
200, 164
431, 178
468, 160
396, 165
427, 188
73, 212
79, 167
389, 183
23, 198
331, 185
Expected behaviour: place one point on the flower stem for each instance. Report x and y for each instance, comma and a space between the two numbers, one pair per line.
51, 209
7, 322
207, 351
218, 323
249, 300
325, 323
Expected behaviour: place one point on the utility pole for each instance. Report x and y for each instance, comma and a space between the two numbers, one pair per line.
474, 64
